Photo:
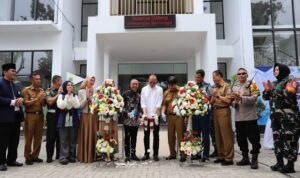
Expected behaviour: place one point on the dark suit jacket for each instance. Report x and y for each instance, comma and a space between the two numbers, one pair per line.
7, 112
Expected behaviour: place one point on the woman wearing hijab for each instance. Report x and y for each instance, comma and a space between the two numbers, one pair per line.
88, 123
284, 117
68, 123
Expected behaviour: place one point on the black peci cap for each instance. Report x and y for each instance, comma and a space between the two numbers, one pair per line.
6, 67
172, 80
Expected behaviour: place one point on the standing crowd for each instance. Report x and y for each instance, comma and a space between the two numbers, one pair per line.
71, 127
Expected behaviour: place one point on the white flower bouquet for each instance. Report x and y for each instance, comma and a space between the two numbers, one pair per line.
107, 100
191, 100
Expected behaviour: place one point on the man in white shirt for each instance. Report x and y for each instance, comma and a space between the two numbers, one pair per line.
151, 100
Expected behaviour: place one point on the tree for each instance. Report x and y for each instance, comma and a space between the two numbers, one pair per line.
262, 10
41, 11
45, 68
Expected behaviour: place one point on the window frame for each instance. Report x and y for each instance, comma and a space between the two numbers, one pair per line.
223, 20
81, 24
35, 18
31, 60
273, 30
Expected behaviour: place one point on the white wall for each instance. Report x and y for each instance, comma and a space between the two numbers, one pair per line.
238, 33
102, 25
60, 41
11, 41
70, 35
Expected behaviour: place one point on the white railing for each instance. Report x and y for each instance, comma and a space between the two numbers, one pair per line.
150, 7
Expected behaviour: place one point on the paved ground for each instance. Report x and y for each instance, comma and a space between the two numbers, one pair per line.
163, 169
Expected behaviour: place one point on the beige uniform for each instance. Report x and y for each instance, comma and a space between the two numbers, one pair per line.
223, 126
33, 123
175, 123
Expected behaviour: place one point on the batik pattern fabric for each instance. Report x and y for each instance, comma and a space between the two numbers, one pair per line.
132, 103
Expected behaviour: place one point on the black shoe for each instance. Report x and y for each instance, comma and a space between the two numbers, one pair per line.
3, 167
276, 167
214, 154
204, 159
219, 161
155, 158
196, 157
182, 159
145, 157
135, 158
57, 157
254, 162
127, 159
37, 160
15, 164
279, 163
72, 160
170, 157
243, 162
288, 168
227, 163
64, 162
29, 162
49, 160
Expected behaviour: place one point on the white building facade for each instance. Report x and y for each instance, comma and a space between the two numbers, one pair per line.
88, 37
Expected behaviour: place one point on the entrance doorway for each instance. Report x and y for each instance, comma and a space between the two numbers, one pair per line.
141, 72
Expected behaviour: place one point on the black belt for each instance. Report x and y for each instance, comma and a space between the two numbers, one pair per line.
171, 114
221, 107
37, 113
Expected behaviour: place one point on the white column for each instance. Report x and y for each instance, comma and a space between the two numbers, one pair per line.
106, 66
94, 52
198, 6
209, 50
238, 29
247, 35
103, 7
198, 59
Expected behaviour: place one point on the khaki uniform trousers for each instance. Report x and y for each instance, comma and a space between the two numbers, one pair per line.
175, 126
224, 133
33, 133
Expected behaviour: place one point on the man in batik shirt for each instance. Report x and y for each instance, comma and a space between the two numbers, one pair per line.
131, 119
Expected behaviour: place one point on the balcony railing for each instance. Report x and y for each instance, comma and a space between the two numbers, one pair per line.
150, 7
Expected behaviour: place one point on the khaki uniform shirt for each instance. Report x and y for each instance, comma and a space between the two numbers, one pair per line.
169, 97
30, 93
224, 91
245, 110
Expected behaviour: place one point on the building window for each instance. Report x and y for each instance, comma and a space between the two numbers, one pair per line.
89, 8
223, 68
275, 30
216, 7
82, 70
33, 10
28, 62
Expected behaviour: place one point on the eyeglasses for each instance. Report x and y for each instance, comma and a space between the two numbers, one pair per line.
243, 73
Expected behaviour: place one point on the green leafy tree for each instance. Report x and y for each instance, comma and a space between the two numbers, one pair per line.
41, 11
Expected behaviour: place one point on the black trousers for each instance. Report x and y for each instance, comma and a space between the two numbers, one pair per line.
155, 140
130, 139
52, 135
248, 130
9, 140
201, 124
